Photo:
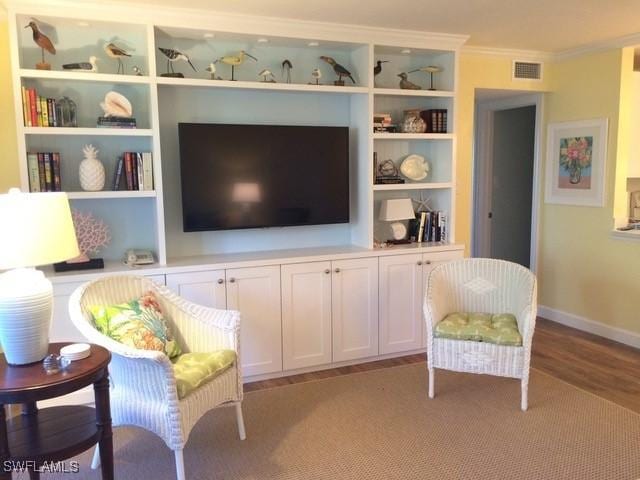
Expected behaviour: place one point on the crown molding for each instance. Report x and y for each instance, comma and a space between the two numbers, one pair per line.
231, 22
532, 55
619, 42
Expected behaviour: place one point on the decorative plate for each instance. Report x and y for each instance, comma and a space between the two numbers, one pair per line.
415, 167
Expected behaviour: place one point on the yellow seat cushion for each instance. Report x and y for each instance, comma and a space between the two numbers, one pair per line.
194, 369
501, 329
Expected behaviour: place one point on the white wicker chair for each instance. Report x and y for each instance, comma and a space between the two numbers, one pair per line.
481, 285
143, 386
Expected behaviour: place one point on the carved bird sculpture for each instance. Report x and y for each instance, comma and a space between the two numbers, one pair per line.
43, 42
113, 51
338, 69
430, 69
267, 76
235, 61
317, 75
378, 68
90, 66
212, 71
405, 84
173, 55
286, 69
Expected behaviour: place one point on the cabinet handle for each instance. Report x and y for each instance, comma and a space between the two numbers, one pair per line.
419, 262
337, 270
232, 280
427, 262
327, 271
220, 281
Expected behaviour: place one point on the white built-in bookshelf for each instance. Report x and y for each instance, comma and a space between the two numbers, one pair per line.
152, 219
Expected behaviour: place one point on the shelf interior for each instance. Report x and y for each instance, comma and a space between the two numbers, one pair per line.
437, 154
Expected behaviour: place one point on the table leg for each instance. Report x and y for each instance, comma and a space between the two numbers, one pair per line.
103, 420
34, 475
4, 445
29, 408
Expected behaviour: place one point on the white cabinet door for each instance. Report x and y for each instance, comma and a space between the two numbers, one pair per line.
306, 314
354, 287
400, 303
204, 288
255, 292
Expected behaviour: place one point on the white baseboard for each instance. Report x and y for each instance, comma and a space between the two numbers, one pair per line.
597, 328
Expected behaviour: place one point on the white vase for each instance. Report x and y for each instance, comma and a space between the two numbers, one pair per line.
92, 175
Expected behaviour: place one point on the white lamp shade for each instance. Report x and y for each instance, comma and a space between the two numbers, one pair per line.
396, 209
36, 229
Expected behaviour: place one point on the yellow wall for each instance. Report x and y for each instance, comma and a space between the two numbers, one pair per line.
9, 174
478, 71
582, 270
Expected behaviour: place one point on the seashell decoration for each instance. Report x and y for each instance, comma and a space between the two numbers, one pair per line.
116, 105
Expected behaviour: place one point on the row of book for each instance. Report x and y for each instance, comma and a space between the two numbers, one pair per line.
39, 111
134, 171
116, 122
436, 120
44, 171
429, 227
382, 123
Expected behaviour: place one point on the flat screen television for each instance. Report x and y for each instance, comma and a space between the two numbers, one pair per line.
255, 176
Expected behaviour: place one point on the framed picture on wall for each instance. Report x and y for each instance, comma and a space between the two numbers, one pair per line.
576, 158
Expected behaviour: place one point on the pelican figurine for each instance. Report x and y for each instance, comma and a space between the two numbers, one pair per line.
267, 76
286, 69
43, 42
89, 66
430, 69
405, 84
173, 55
212, 71
113, 51
317, 75
235, 61
377, 70
339, 70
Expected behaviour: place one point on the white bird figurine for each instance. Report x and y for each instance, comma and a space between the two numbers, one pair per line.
89, 66
113, 51
317, 75
212, 71
235, 61
173, 55
267, 76
405, 84
137, 70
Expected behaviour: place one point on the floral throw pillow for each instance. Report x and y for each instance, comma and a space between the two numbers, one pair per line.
138, 324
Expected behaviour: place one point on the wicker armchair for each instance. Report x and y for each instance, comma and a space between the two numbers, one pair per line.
481, 285
143, 386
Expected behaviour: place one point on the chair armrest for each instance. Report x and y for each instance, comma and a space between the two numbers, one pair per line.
437, 302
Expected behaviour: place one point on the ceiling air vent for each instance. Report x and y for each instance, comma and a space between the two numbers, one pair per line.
527, 70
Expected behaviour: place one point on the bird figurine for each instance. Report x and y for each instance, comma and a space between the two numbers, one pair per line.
286, 69
90, 66
44, 43
267, 76
212, 71
405, 84
317, 75
430, 69
113, 51
339, 70
173, 55
235, 61
137, 70
377, 70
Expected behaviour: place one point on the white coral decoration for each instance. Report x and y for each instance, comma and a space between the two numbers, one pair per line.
92, 233
92, 175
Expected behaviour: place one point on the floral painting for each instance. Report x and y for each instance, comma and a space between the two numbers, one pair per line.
575, 162
576, 158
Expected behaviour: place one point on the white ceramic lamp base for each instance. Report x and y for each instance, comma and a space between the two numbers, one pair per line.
26, 300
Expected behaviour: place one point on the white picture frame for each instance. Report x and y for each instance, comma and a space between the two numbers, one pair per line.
572, 146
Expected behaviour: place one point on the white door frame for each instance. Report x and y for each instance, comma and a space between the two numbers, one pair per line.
484, 114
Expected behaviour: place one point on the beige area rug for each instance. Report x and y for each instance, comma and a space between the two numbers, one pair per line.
381, 425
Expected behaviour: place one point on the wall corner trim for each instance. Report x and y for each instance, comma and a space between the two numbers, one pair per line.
592, 326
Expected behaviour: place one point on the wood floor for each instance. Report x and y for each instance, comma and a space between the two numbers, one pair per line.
603, 367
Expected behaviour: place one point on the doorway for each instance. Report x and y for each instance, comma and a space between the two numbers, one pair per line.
506, 176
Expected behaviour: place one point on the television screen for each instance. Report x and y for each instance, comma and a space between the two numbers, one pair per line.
253, 176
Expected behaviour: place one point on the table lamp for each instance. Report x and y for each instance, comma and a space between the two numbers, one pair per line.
394, 210
35, 229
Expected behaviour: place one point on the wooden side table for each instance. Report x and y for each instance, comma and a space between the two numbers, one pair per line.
37, 437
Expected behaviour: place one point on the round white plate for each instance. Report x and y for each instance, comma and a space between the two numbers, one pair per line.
415, 168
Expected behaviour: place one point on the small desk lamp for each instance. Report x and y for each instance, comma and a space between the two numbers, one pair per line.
394, 210
35, 229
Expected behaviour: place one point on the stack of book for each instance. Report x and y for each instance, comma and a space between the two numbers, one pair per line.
116, 122
382, 123
134, 172
436, 120
44, 171
429, 227
38, 111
